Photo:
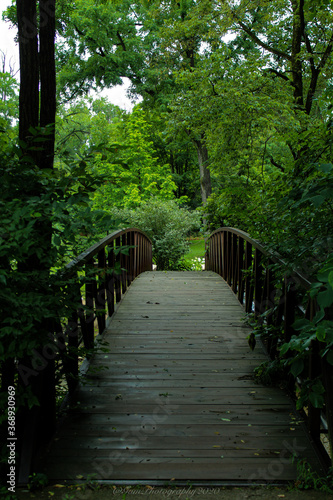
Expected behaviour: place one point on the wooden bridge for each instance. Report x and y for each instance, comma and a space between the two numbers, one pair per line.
172, 398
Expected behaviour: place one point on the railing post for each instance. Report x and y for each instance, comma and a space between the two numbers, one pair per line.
124, 264
90, 294
258, 268
100, 299
289, 307
229, 257
111, 279
216, 253
72, 358
119, 272
240, 267
130, 274
235, 263
314, 372
135, 257
246, 270
212, 253
248, 280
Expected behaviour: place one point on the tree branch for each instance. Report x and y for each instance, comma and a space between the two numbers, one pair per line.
213, 87
277, 165
326, 54
81, 33
277, 73
315, 72
262, 44
122, 43
101, 52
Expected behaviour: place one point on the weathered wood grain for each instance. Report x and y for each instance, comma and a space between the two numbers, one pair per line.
177, 400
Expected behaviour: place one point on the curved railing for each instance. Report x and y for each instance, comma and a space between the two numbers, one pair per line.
95, 282
277, 297
106, 271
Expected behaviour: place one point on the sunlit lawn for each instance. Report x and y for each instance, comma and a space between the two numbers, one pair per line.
196, 251
197, 248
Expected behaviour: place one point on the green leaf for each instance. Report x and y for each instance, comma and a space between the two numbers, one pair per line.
317, 400
329, 357
329, 335
317, 200
325, 167
325, 298
318, 317
301, 323
323, 275
297, 367
321, 333
330, 278
284, 349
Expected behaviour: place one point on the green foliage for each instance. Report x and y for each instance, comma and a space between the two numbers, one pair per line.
8, 109
167, 225
132, 174
38, 233
308, 479
37, 481
294, 355
6, 495
271, 373
97, 45
9, 98
319, 328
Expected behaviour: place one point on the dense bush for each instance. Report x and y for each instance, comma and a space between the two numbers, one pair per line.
167, 225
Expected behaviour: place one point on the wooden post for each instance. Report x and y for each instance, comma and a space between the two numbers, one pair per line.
258, 282
111, 279
100, 299
117, 275
235, 263
289, 307
248, 280
124, 265
90, 294
314, 372
240, 266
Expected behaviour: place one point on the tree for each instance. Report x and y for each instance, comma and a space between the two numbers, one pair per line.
167, 225
26, 259
133, 174
298, 37
8, 104
141, 41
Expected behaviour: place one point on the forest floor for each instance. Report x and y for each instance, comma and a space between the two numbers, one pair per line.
182, 493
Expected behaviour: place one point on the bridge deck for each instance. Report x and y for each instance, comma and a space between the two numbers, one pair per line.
177, 401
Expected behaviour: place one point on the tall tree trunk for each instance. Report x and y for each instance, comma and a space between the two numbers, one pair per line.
37, 107
29, 67
296, 61
203, 161
47, 78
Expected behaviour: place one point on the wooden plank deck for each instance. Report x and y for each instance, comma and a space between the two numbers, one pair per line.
177, 402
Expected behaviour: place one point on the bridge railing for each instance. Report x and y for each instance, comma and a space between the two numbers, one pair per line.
99, 277
276, 297
95, 282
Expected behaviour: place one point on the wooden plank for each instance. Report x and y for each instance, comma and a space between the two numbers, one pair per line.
235, 416
239, 470
177, 399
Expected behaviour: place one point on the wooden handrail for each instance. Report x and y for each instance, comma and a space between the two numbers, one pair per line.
277, 297
109, 266
95, 282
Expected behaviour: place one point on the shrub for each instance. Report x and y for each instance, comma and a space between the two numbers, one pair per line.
167, 225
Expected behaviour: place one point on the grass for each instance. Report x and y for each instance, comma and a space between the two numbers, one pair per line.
197, 248
196, 252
